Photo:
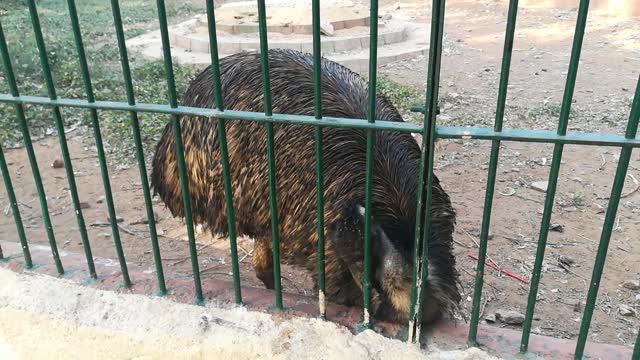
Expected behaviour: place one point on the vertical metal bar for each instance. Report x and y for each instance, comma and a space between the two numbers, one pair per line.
371, 116
426, 159
607, 229
636, 348
264, 58
177, 132
22, 122
15, 210
555, 169
57, 115
435, 57
493, 165
317, 91
128, 84
224, 155
86, 77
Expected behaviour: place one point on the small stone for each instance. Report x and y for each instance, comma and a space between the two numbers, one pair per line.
85, 205
638, 298
57, 164
626, 310
540, 186
386, 17
566, 260
204, 322
238, 17
631, 284
490, 318
510, 317
144, 220
557, 227
326, 27
118, 219
104, 235
577, 307
101, 199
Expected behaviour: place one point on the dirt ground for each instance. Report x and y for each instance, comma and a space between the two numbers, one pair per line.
474, 34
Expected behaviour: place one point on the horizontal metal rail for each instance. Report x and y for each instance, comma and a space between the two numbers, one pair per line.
516, 135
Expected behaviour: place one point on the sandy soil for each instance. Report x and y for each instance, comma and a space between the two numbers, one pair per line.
470, 74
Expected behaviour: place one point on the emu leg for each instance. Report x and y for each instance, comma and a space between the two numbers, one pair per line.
262, 262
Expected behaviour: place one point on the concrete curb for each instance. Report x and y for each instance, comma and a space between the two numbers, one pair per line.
500, 341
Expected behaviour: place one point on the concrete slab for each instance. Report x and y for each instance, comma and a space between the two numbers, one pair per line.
446, 336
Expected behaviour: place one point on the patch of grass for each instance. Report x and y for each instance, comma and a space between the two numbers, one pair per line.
577, 199
98, 33
549, 111
403, 97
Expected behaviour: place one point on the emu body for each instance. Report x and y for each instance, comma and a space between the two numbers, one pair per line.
395, 182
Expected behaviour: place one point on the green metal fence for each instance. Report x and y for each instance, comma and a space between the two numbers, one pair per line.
430, 133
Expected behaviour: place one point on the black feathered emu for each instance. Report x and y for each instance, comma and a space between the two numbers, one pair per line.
396, 169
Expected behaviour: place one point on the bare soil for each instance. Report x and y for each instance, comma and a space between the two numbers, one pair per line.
469, 86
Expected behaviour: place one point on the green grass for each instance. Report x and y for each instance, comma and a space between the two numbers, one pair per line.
99, 36
139, 16
549, 111
403, 97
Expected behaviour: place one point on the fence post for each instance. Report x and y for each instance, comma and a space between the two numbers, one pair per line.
563, 122
22, 123
423, 213
609, 220
224, 154
177, 137
135, 126
95, 123
271, 156
317, 92
491, 175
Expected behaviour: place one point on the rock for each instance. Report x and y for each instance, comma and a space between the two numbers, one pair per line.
510, 317
84, 205
490, 318
577, 307
118, 219
386, 17
57, 164
566, 260
204, 322
540, 186
144, 220
631, 284
626, 310
557, 227
100, 200
326, 27
104, 235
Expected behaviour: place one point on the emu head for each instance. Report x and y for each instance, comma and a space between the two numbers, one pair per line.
392, 266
